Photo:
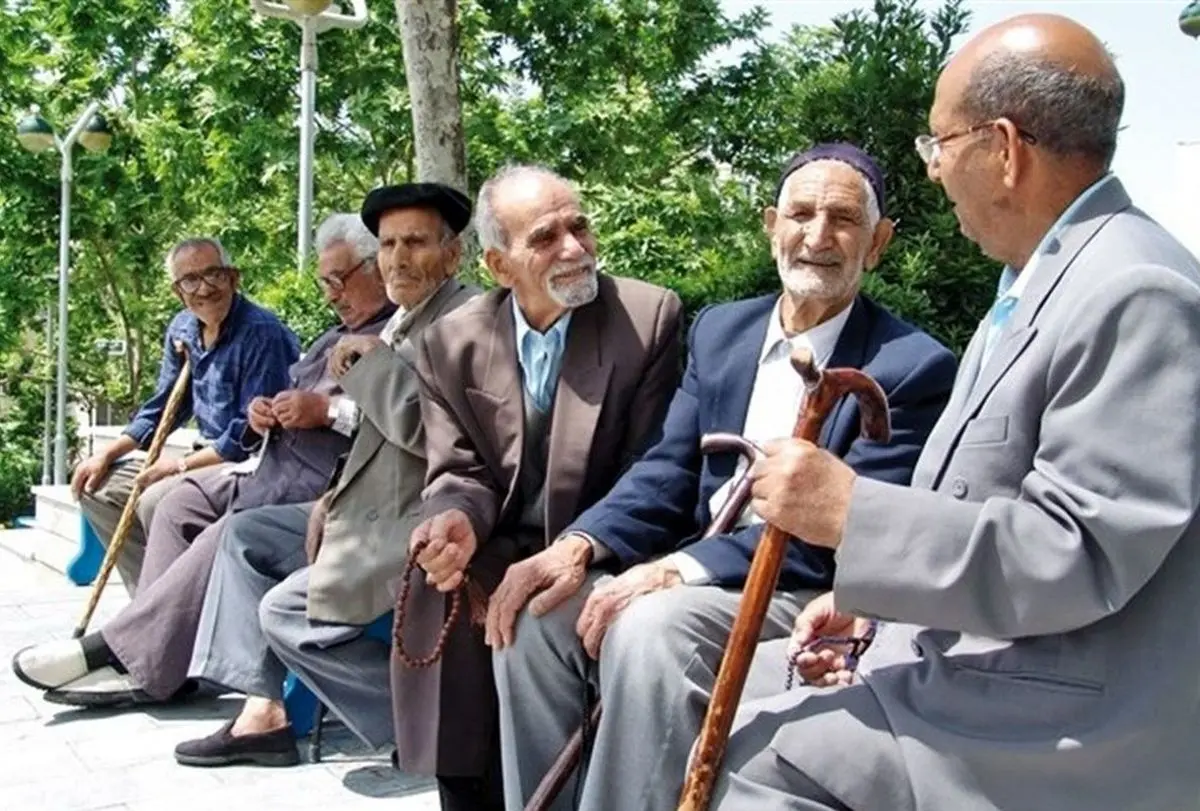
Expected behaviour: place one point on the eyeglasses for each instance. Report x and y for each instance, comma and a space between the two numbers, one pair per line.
336, 282
929, 147
215, 277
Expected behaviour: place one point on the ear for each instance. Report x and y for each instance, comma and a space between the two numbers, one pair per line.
1013, 156
235, 279
884, 231
494, 260
770, 215
454, 252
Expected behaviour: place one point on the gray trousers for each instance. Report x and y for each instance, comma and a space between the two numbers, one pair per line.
656, 672
757, 774
103, 510
261, 572
153, 635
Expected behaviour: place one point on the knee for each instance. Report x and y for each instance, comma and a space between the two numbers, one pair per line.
650, 625
539, 640
237, 536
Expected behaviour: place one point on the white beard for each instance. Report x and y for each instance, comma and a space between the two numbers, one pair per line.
805, 282
577, 293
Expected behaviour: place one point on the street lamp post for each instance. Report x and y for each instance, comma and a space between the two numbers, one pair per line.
313, 17
36, 135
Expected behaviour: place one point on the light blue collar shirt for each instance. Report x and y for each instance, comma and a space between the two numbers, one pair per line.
540, 355
1013, 283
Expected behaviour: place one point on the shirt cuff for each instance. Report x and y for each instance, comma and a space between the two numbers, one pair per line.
348, 416
691, 570
600, 552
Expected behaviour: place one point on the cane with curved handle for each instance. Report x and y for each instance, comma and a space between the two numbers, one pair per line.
824, 389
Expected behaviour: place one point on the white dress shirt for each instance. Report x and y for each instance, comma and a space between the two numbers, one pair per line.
775, 401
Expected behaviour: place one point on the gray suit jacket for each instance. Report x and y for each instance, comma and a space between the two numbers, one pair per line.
1046, 558
376, 499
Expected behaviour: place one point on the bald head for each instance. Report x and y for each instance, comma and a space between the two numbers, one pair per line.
1050, 76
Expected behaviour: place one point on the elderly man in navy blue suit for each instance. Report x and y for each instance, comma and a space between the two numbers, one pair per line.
650, 638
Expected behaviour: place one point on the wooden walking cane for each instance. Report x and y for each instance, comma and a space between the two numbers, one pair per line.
739, 496
125, 523
824, 389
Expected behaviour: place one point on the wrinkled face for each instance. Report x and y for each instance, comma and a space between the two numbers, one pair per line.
965, 163
821, 238
550, 261
203, 284
414, 257
352, 286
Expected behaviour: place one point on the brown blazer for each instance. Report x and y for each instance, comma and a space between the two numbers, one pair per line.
374, 503
620, 367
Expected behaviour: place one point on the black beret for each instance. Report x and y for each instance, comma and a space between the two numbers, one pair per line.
452, 204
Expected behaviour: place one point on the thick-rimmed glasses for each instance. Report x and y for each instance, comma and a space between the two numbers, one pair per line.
336, 282
216, 277
929, 147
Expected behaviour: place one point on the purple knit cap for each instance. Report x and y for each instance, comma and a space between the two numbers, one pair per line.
848, 154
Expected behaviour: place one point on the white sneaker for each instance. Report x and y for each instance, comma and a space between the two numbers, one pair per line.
50, 665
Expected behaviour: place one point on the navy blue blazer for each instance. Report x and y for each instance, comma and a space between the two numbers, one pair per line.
660, 504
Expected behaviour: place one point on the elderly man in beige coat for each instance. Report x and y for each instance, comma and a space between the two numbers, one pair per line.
311, 618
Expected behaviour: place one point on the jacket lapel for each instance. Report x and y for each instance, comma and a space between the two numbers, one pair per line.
501, 387
1072, 237
578, 400
732, 401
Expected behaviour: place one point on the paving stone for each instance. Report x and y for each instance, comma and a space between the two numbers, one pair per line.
63, 759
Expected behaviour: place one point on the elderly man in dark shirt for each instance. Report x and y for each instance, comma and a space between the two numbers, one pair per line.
142, 654
238, 350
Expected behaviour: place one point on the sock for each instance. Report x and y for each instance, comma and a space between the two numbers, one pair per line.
97, 654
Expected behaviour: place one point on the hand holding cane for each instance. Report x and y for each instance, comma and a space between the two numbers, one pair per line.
564, 765
129, 513
824, 389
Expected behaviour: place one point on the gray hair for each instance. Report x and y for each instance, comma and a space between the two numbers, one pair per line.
350, 229
491, 232
1069, 113
195, 243
871, 205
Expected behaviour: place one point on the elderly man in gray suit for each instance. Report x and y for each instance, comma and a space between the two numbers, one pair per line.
311, 618
1035, 590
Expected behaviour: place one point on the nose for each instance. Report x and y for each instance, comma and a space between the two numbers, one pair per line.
818, 234
572, 248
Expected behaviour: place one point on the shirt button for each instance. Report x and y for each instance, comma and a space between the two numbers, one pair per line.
958, 487
372, 515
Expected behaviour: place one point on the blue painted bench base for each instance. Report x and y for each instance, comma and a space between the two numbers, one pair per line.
301, 703
84, 567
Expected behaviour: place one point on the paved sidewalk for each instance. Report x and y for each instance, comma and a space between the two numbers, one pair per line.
54, 758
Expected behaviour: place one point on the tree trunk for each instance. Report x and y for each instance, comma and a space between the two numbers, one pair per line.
429, 32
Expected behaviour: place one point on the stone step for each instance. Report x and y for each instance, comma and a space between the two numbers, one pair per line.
39, 546
57, 512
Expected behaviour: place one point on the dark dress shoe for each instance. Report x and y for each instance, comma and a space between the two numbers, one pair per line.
222, 748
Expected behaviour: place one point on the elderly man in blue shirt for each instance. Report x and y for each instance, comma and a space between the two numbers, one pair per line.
239, 351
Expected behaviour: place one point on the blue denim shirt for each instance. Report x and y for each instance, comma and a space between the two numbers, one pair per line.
250, 357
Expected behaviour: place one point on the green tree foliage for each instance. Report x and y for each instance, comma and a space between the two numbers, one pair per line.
673, 118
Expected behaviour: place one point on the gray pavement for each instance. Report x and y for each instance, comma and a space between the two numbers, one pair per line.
54, 758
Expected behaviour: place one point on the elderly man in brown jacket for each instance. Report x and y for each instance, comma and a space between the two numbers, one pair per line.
535, 398
266, 610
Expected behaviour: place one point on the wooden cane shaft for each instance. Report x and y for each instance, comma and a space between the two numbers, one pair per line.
117, 543
735, 665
